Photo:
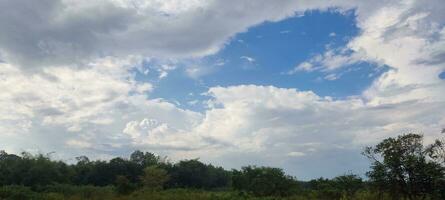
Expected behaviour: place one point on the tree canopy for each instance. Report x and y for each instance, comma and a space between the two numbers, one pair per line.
401, 168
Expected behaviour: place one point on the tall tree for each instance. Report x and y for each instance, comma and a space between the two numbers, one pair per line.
144, 159
404, 167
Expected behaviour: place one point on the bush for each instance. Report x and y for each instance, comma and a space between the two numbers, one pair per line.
124, 186
195, 174
18, 193
155, 177
264, 181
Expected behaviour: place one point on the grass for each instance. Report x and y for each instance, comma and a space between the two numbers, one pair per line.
69, 192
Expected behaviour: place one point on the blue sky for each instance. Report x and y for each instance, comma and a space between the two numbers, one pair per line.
274, 49
300, 85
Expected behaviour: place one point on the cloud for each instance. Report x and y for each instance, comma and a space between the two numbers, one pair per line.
248, 59
408, 37
57, 32
399, 37
304, 66
156, 135
164, 69
331, 60
197, 68
252, 120
296, 154
331, 77
81, 110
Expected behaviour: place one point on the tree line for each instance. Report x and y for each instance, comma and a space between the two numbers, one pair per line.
401, 168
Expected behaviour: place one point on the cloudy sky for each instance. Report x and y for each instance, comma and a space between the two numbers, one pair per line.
301, 85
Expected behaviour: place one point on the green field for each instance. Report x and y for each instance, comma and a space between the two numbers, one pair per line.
98, 193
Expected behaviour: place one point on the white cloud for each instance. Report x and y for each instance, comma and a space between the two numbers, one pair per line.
164, 69
408, 37
193, 102
304, 66
331, 60
331, 77
196, 68
296, 154
79, 144
248, 59
156, 135
270, 121
86, 109
250, 120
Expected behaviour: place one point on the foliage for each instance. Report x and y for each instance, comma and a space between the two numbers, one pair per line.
144, 159
345, 186
123, 185
405, 169
263, 181
17, 192
401, 168
195, 174
31, 170
155, 177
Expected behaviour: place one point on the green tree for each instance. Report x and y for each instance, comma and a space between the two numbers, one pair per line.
348, 185
437, 150
323, 188
123, 185
144, 159
195, 174
406, 169
263, 181
155, 177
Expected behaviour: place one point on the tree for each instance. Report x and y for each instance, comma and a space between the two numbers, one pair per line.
195, 174
155, 177
404, 168
437, 150
120, 166
324, 188
123, 185
82, 169
82, 160
144, 159
9, 169
263, 181
348, 184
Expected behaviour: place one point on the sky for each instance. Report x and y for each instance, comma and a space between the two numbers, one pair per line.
300, 85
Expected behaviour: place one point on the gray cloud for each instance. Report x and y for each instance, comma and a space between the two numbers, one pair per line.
55, 32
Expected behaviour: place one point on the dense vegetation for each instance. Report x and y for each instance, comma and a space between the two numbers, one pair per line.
401, 168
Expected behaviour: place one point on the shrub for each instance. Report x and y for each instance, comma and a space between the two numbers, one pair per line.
264, 181
155, 177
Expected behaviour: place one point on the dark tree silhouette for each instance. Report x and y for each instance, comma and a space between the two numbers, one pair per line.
403, 167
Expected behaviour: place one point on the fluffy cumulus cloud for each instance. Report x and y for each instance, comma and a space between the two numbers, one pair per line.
276, 126
267, 125
66, 108
409, 38
67, 76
